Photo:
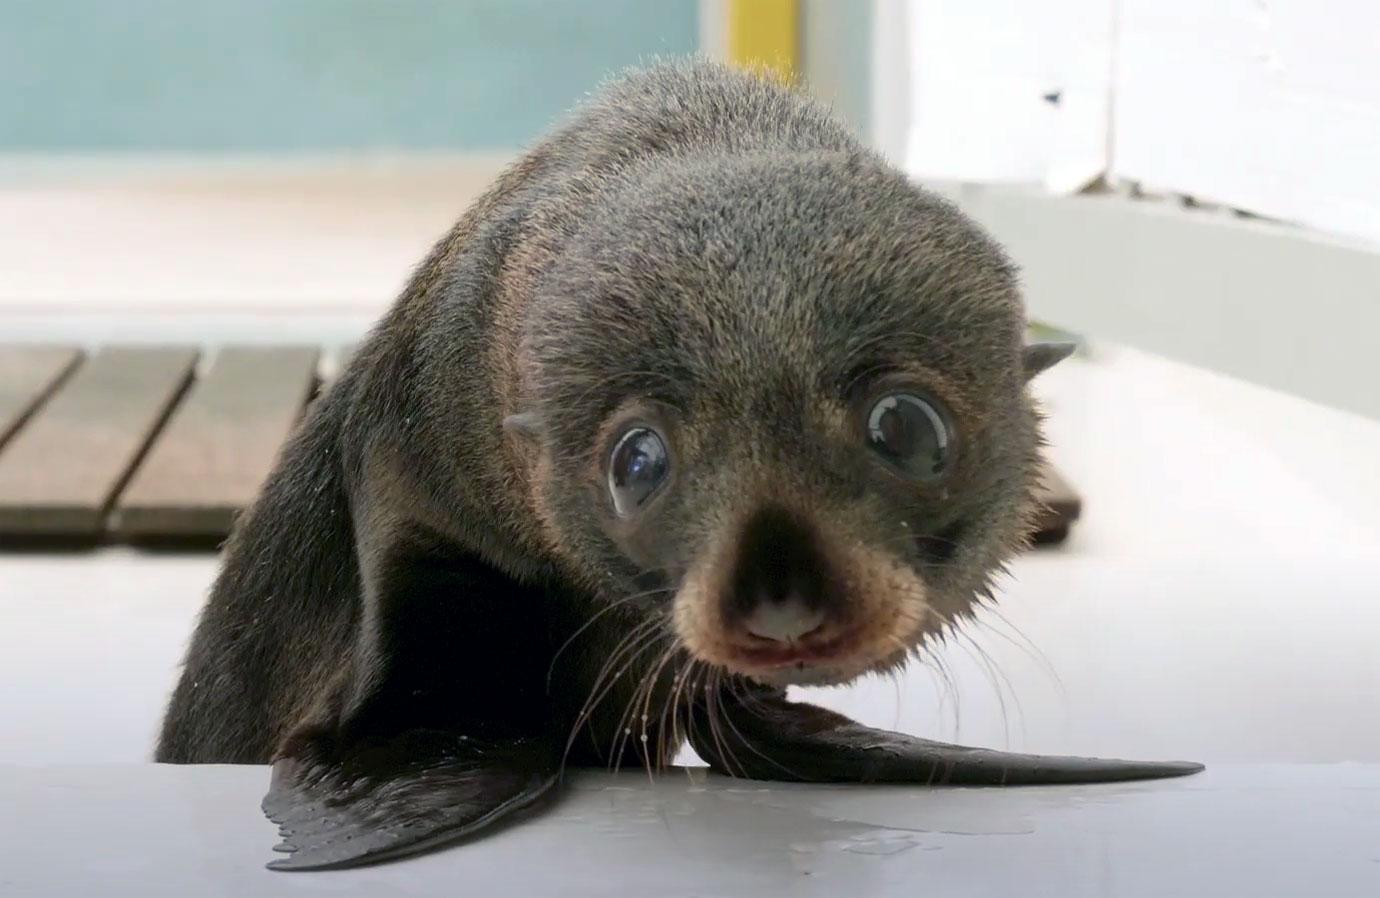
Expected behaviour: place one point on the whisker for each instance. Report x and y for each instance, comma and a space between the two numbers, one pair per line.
589, 623
1025, 643
711, 718
624, 645
944, 677
672, 650
691, 686
642, 699
668, 722
643, 695
629, 643
747, 743
711, 692
623, 731
896, 697
984, 661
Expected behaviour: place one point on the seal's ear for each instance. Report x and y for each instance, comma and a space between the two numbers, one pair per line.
527, 425
1040, 356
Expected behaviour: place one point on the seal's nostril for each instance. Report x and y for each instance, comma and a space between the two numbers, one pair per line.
783, 621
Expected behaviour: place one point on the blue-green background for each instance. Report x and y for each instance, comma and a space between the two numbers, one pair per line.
309, 75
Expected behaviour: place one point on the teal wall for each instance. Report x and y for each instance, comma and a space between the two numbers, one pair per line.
308, 75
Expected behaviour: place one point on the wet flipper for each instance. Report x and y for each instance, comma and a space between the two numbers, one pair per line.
438, 727
378, 801
757, 734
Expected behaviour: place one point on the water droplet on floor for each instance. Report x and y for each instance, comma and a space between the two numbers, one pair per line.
881, 845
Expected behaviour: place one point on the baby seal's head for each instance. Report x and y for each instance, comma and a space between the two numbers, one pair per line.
783, 401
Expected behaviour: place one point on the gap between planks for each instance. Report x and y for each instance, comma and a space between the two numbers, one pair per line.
28, 376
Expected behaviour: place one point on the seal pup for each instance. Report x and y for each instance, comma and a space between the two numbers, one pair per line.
700, 400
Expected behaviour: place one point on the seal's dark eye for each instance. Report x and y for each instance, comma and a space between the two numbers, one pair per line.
910, 433
638, 466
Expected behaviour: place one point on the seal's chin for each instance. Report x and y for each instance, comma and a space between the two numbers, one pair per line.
804, 674
831, 663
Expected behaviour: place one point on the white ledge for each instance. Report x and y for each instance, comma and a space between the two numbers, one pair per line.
1275, 304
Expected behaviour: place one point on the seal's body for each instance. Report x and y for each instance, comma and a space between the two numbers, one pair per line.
699, 400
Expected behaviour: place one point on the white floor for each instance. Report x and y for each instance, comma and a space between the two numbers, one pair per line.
178, 832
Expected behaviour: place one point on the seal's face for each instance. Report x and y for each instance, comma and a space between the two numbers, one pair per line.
787, 411
804, 526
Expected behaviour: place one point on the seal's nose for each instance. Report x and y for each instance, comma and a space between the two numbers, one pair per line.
782, 589
783, 621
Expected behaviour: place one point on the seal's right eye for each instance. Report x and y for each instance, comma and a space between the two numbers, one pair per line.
638, 466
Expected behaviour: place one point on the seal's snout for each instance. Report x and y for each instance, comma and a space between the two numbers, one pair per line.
782, 589
782, 596
782, 604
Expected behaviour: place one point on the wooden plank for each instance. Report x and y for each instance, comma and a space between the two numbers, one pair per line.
1060, 506
219, 446
59, 474
28, 376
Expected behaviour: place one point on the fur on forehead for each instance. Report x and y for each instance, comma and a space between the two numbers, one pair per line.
724, 273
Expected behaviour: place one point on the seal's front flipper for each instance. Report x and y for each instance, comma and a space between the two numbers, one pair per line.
756, 733
377, 801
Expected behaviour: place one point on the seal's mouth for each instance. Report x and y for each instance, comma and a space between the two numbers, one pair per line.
819, 647
787, 603
825, 660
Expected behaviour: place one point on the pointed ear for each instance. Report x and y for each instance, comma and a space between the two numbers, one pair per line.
1041, 356
527, 425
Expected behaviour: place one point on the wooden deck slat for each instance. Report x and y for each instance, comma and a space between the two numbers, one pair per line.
1060, 506
59, 474
218, 448
28, 375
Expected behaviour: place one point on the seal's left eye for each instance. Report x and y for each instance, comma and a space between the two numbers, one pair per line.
638, 466
911, 434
